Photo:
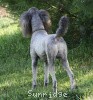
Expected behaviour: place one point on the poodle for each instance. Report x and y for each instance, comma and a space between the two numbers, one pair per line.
36, 24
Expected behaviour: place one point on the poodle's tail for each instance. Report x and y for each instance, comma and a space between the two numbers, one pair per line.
63, 26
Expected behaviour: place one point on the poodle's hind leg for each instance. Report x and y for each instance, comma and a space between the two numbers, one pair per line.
69, 72
52, 73
51, 55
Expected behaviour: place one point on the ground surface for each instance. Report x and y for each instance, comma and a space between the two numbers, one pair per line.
3, 12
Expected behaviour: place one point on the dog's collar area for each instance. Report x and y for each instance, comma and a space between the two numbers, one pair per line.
38, 30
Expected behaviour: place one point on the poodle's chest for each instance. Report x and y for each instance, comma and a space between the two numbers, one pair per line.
39, 47
40, 50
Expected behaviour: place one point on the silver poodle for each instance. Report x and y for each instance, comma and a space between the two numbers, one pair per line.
46, 46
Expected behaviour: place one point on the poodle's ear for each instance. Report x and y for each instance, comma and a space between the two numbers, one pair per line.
44, 15
25, 22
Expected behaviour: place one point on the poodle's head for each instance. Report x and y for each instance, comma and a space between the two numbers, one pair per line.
25, 20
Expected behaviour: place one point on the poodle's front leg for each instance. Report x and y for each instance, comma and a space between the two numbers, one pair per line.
52, 73
34, 70
46, 73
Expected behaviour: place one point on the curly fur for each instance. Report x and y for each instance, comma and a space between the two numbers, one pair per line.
63, 26
25, 21
45, 17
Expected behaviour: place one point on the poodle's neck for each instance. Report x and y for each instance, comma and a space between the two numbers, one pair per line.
36, 23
